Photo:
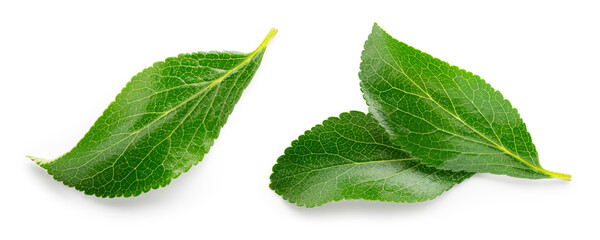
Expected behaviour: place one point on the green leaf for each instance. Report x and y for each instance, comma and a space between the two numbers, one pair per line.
351, 157
443, 115
161, 124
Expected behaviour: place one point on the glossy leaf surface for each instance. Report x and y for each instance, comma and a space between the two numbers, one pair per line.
443, 115
351, 157
161, 124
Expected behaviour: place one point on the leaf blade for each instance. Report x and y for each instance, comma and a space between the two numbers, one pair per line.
163, 122
423, 102
351, 157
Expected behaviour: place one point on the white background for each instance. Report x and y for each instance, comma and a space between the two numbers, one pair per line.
62, 63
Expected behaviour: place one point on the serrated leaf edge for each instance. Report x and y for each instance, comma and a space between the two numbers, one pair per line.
316, 127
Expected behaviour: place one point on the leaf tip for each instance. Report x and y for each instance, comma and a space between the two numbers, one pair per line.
376, 27
39, 161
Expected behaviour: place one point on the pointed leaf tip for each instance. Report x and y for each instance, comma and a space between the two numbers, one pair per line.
39, 161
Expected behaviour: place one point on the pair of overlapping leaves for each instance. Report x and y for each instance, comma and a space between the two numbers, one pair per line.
429, 127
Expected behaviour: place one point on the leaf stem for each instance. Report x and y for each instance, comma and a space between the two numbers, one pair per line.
268, 38
563, 176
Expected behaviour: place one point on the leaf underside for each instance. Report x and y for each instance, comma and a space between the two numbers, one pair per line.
351, 157
161, 124
443, 115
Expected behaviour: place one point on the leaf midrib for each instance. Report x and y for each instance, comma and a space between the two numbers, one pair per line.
353, 163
